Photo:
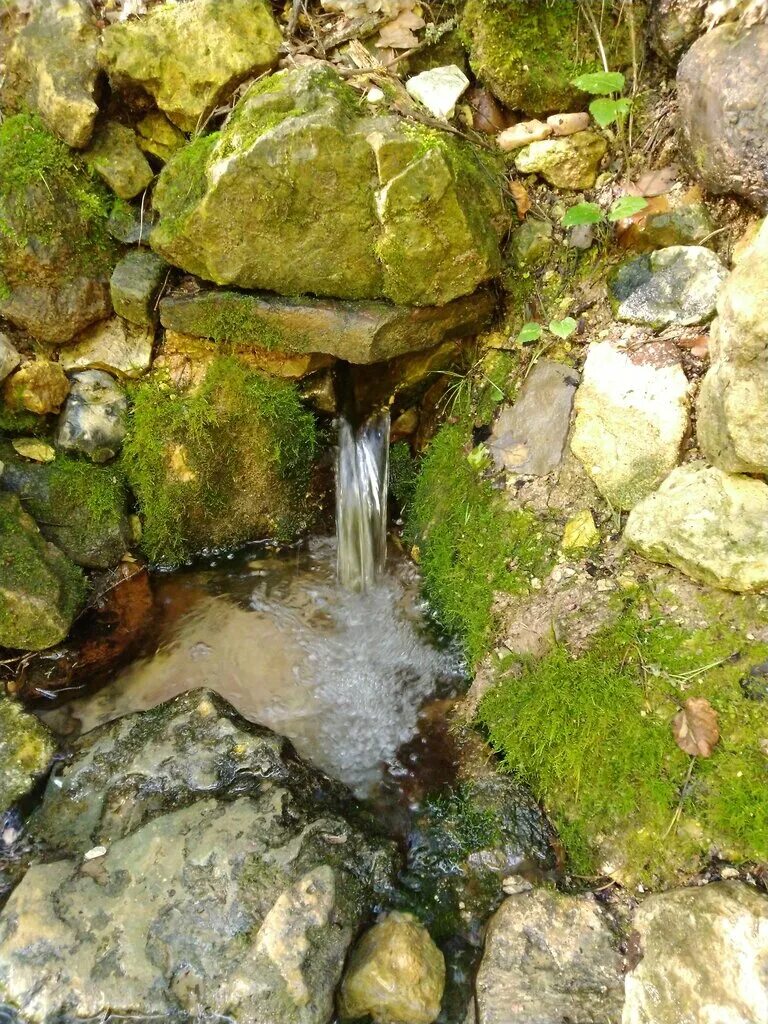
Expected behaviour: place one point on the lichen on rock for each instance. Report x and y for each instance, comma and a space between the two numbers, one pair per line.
26, 750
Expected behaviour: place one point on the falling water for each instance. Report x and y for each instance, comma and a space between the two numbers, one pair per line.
362, 468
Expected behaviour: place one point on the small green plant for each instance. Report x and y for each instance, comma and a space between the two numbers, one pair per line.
591, 213
606, 109
532, 331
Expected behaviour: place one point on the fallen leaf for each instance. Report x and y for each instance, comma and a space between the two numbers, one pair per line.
695, 727
399, 34
656, 183
487, 115
521, 197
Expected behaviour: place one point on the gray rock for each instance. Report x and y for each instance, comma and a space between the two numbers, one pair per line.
79, 506
532, 242
721, 84
709, 524
26, 750
41, 590
228, 878
703, 956
360, 332
549, 958
93, 420
9, 357
131, 225
631, 417
51, 67
135, 285
675, 25
529, 437
678, 285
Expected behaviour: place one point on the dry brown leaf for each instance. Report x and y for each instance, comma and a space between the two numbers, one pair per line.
656, 183
521, 197
399, 34
487, 115
695, 727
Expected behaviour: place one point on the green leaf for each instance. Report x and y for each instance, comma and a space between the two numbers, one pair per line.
478, 457
528, 333
604, 111
627, 206
582, 213
563, 328
600, 83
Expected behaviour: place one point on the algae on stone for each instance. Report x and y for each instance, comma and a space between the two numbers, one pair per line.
227, 462
188, 56
26, 750
344, 204
115, 156
40, 589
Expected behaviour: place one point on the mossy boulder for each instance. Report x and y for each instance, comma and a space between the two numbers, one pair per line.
528, 52
26, 750
55, 252
344, 204
40, 588
52, 68
79, 506
188, 56
227, 462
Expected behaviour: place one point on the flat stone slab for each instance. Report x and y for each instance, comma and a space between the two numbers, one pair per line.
359, 332
529, 437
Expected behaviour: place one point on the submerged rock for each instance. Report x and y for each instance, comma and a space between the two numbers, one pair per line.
189, 56
711, 525
51, 67
55, 252
549, 958
721, 85
360, 332
396, 974
631, 418
677, 286
217, 846
115, 156
345, 204
704, 953
569, 162
40, 589
93, 421
26, 750
80, 507
114, 345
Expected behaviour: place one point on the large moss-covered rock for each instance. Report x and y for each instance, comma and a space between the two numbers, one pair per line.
55, 252
26, 750
51, 67
188, 56
527, 52
711, 525
227, 462
360, 332
230, 877
343, 203
40, 589
82, 508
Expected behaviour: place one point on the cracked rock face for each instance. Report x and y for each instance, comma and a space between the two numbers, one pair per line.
344, 204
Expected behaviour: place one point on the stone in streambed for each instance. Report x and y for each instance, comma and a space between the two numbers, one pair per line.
631, 417
703, 953
549, 958
115, 156
93, 420
359, 332
114, 345
569, 162
189, 56
52, 68
135, 284
26, 750
40, 589
529, 437
396, 974
345, 204
709, 524
722, 83
676, 286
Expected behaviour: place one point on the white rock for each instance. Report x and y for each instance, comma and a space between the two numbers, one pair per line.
568, 124
523, 134
375, 95
439, 89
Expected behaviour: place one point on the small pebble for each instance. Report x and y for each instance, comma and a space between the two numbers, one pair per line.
568, 124
95, 852
523, 134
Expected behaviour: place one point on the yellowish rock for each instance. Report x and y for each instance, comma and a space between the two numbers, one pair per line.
31, 448
396, 974
580, 532
113, 345
569, 162
38, 387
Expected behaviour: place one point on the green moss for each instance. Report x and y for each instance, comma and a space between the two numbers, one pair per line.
98, 492
182, 182
474, 828
471, 544
15, 423
232, 318
403, 473
592, 736
227, 463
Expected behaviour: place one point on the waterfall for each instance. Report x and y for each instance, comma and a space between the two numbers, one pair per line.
362, 468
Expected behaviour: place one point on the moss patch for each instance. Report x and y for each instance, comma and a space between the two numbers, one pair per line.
471, 544
226, 463
592, 736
